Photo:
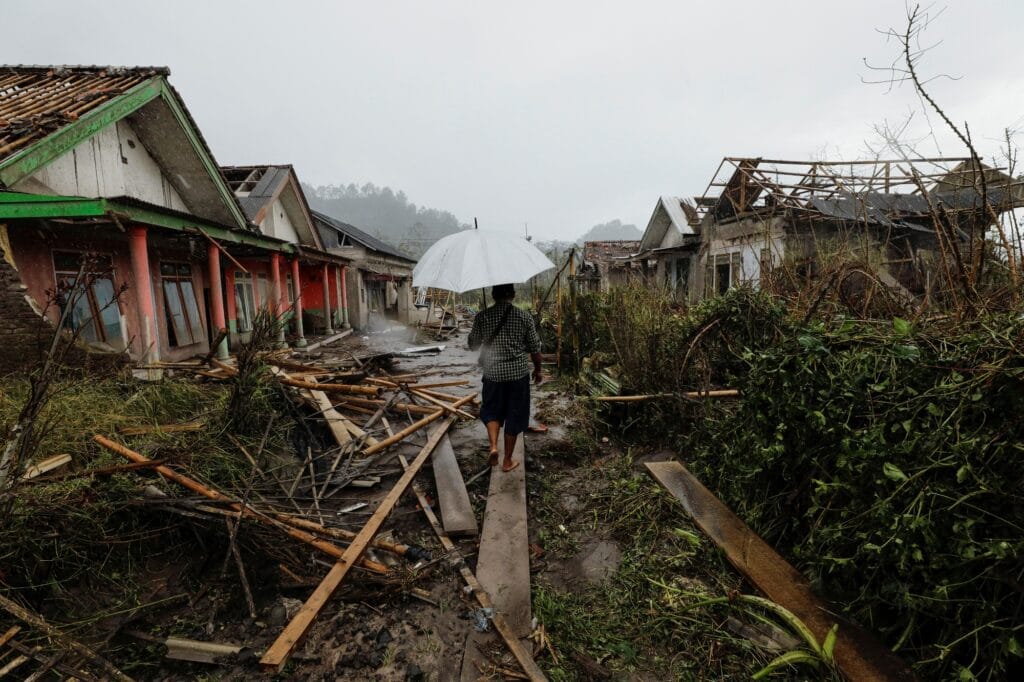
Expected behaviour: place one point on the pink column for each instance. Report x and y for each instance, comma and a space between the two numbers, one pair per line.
297, 308
274, 304
344, 295
217, 298
328, 322
229, 286
144, 294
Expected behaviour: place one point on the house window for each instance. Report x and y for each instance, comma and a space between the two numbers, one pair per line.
766, 261
264, 291
682, 274
722, 273
245, 305
291, 289
94, 313
181, 308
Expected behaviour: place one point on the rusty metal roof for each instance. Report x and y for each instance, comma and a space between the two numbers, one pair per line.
37, 100
600, 251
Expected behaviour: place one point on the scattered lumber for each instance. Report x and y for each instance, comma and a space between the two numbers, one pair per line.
413, 428
858, 655
180, 649
328, 341
197, 487
279, 652
533, 672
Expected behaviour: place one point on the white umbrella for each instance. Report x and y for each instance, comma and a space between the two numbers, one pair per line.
474, 259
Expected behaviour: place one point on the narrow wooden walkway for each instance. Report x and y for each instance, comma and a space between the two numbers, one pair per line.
503, 564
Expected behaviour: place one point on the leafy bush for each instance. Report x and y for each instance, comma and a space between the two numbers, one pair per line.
882, 457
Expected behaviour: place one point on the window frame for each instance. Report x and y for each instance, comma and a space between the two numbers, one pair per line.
99, 328
182, 274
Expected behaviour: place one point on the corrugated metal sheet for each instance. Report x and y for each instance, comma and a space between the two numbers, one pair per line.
359, 236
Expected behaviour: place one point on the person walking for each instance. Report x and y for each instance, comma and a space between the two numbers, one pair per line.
507, 339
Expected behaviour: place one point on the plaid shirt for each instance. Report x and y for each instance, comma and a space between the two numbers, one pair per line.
506, 357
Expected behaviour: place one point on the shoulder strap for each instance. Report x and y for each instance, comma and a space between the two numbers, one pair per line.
501, 325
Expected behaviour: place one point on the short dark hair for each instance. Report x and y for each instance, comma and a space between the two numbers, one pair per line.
503, 292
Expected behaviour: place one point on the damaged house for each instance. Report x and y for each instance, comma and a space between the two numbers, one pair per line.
314, 279
103, 169
380, 279
758, 214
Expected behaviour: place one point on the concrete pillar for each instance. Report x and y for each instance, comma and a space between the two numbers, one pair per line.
297, 306
229, 285
217, 299
328, 322
344, 297
274, 304
144, 294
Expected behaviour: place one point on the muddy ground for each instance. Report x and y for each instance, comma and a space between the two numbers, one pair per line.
371, 631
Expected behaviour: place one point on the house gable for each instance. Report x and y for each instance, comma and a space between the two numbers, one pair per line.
50, 112
111, 163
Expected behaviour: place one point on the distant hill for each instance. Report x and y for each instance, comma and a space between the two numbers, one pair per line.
613, 230
386, 214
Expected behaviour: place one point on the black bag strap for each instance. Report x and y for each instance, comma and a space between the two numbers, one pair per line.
501, 325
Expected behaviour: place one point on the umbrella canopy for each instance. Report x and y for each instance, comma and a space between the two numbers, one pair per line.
474, 259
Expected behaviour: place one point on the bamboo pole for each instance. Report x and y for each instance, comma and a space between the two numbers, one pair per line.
443, 405
722, 393
209, 493
413, 428
374, 404
278, 653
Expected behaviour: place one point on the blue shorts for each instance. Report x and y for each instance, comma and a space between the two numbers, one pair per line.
507, 402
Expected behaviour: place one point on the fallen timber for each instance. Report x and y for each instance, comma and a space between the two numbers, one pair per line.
533, 672
693, 395
277, 655
858, 655
197, 487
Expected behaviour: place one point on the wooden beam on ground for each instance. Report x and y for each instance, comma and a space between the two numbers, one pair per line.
858, 655
335, 420
328, 341
534, 673
503, 564
47, 465
452, 496
279, 652
443, 405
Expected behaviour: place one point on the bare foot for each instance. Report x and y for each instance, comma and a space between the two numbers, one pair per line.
509, 466
492, 460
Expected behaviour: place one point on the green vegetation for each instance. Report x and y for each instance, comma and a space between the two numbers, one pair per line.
881, 456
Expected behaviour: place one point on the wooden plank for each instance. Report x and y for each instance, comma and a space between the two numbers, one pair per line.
278, 653
326, 342
482, 597
413, 428
858, 655
48, 464
335, 420
452, 496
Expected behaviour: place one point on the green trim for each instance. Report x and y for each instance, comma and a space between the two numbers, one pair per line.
185, 121
66, 138
56, 144
14, 206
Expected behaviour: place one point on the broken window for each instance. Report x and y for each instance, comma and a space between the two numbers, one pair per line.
682, 274
181, 307
245, 304
94, 312
722, 273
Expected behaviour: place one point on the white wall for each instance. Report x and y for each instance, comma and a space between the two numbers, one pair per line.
276, 224
111, 163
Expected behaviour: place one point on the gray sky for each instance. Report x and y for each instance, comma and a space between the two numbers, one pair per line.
556, 114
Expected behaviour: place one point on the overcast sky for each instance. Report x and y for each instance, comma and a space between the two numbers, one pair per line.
556, 114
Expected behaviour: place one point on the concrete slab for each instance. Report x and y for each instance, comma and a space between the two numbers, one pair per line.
457, 515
